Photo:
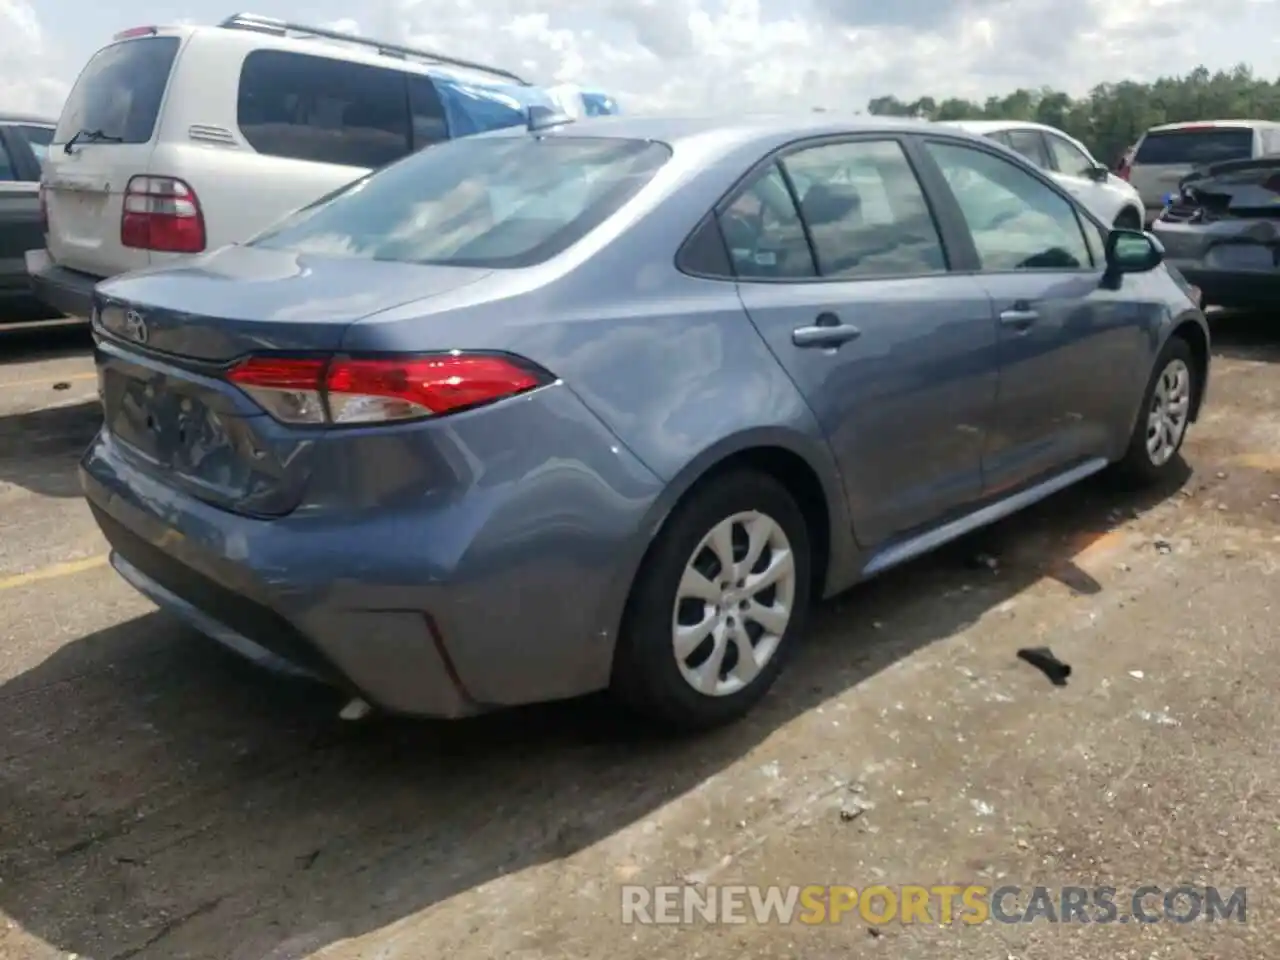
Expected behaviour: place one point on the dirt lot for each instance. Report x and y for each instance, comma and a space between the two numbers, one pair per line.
161, 799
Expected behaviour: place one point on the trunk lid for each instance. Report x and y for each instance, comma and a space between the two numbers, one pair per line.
104, 137
164, 339
1232, 190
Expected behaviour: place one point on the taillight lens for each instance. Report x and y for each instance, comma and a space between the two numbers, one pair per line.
363, 390
44, 211
161, 214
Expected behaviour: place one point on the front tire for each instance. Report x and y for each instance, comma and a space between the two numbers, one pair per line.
719, 601
1164, 416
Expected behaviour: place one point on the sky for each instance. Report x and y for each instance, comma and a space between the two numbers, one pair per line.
715, 54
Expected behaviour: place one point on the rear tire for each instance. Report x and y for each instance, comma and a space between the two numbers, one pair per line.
702, 641
1164, 416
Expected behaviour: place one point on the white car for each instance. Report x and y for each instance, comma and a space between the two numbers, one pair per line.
1068, 161
177, 140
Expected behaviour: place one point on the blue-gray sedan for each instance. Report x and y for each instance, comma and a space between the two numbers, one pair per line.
608, 404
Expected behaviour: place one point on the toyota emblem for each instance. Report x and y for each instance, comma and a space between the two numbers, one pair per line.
135, 327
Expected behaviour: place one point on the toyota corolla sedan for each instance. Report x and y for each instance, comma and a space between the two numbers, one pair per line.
609, 404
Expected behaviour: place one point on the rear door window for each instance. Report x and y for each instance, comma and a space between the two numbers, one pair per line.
1195, 147
328, 111
118, 94
865, 211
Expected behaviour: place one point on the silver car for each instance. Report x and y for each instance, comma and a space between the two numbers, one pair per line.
607, 404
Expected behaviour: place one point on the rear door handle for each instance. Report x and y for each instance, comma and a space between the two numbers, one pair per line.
827, 332
1019, 319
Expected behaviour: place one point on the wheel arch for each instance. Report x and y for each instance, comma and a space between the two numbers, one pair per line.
803, 465
1196, 334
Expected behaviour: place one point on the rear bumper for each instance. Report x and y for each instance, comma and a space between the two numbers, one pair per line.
1223, 288
505, 594
67, 291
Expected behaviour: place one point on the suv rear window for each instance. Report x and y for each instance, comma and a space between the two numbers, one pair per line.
1195, 147
504, 201
119, 91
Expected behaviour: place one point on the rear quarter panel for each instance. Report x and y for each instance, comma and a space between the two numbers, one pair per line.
669, 363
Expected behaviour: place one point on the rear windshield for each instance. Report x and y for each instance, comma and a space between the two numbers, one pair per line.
119, 91
1195, 147
507, 201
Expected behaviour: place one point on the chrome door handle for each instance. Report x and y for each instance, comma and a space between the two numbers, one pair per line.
1019, 319
824, 335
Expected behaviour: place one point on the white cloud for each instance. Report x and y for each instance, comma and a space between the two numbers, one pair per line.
734, 54
30, 81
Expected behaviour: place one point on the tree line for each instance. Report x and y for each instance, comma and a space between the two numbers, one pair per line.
1112, 116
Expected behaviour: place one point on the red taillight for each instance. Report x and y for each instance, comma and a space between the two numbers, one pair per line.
44, 212
161, 214
353, 390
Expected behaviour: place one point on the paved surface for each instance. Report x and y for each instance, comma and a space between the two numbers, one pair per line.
160, 799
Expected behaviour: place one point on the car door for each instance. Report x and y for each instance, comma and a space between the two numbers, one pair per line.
842, 269
1070, 342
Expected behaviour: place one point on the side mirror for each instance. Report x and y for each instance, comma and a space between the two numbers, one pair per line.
1098, 173
1132, 251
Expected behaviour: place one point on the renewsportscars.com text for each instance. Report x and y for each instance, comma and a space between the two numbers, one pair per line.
936, 904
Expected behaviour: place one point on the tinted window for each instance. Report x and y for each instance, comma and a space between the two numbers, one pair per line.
1195, 147
1017, 222
489, 202
328, 111
1030, 144
1000, 137
38, 138
865, 211
118, 93
8, 172
428, 115
763, 232
1067, 157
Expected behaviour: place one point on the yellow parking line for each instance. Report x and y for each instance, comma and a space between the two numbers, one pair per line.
56, 378
52, 571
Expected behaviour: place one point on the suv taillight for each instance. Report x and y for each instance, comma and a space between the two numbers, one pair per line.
161, 214
44, 212
341, 391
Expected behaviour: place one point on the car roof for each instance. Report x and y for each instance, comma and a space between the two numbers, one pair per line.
991, 126
27, 118
1230, 124
735, 128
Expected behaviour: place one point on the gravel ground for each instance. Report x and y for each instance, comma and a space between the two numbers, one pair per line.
161, 799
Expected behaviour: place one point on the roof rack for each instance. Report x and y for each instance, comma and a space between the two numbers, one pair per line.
282, 28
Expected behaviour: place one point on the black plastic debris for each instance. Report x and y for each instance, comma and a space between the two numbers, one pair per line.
62, 385
1042, 659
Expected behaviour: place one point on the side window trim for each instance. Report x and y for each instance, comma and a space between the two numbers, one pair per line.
948, 198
